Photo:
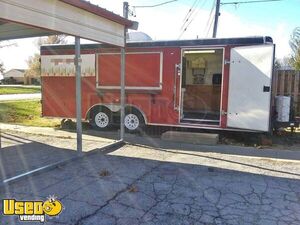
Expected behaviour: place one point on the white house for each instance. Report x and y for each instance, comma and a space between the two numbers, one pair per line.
15, 76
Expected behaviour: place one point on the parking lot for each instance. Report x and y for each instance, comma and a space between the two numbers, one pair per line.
171, 184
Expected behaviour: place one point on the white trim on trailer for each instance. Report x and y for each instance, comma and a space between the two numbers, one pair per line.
222, 89
129, 88
127, 53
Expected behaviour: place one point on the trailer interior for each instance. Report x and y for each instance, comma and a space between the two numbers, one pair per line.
201, 85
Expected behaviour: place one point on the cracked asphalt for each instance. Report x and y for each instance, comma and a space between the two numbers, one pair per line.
143, 185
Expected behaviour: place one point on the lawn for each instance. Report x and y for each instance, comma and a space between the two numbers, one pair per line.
19, 90
25, 113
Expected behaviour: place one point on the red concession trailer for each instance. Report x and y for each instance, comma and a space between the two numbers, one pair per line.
204, 83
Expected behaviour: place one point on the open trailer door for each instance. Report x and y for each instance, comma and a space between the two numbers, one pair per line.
250, 79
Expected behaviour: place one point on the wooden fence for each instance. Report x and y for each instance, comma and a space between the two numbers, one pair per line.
287, 83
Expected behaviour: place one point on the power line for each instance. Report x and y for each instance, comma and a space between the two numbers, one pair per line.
187, 17
247, 2
194, 16
217, 13
151, 6
210, 25
189, 13
190, 10
210, 19
132, 12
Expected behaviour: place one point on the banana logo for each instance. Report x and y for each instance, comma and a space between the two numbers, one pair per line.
52, 207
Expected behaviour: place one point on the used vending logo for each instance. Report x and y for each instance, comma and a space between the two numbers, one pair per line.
32, 210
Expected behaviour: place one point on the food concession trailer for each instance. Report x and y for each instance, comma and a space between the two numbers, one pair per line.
203, 83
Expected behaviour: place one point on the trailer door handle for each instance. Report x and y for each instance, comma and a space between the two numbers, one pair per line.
267, 88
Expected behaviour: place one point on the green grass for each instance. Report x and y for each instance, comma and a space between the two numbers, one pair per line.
19, 90
25, 113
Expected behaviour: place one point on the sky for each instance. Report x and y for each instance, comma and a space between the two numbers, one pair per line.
276, 19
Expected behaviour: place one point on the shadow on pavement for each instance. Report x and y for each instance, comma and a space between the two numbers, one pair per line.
27, 155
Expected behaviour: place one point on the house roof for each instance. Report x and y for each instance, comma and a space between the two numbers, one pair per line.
19, 70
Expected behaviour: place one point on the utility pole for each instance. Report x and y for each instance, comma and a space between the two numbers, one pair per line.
125, 11
218, 3
217, 14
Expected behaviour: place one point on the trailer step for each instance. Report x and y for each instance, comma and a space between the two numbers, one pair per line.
191, 137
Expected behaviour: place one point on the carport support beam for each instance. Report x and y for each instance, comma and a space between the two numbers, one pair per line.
122, 129
78, 95
122, 83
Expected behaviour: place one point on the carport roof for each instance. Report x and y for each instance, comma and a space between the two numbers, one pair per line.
99, 11
19, 18
33, 18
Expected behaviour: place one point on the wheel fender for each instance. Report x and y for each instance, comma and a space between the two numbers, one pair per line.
95, 107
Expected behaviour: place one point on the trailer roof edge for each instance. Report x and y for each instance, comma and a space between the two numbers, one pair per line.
173, 43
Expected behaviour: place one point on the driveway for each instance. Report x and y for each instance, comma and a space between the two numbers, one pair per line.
13, 97
139, 184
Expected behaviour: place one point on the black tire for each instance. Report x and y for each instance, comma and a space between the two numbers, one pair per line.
134, 121
100, 119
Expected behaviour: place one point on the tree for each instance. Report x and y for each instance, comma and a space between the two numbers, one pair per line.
4, 44
283, 64
277, 64
34, 65
54, 39
2, 69
295, 46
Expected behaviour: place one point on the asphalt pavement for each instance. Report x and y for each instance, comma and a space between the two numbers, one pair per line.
166, 184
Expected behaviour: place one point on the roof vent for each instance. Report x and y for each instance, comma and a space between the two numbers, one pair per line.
138, 36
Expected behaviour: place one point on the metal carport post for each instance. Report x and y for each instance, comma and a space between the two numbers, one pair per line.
32, 18
77, 62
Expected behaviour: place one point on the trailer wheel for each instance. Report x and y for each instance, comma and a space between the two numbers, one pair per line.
134, 121
101, 120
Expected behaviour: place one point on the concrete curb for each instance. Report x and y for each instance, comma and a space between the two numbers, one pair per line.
47, 131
